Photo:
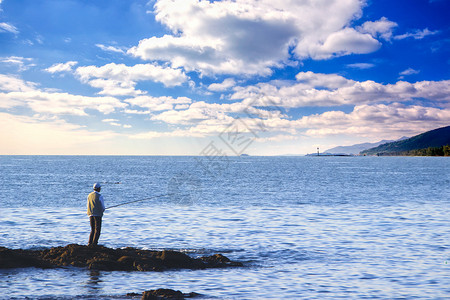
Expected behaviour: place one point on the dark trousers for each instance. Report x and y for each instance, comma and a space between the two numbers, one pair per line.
96, 227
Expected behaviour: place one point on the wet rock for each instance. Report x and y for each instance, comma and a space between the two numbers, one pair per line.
166, 294
20, 259
134, 295
103, 258
219, 261
179, 260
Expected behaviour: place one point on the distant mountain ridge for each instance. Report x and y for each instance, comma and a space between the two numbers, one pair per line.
357, 148
434, 138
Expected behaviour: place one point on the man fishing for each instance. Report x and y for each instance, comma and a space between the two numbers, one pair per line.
95, 209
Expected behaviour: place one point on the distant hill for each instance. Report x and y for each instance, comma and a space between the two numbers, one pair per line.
357, 148
431, 139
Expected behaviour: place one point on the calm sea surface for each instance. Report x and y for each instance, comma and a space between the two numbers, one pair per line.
305, 227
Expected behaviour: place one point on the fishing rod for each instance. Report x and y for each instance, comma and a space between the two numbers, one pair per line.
158, 196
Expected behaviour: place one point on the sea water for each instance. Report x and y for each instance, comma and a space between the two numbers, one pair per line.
304, 227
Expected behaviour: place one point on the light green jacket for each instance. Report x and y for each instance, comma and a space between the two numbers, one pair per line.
95, 204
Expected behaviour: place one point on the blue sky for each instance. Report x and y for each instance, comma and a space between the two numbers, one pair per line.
186, 77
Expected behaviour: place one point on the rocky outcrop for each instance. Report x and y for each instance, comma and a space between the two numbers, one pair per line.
166, 294
103, 258
21, 259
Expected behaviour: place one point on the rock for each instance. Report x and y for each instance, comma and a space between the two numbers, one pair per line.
127, 260
162, 294
178, 260
219, 261
103, 258
133, 295
20, 259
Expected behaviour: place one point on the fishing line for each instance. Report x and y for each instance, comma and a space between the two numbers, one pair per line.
158, 196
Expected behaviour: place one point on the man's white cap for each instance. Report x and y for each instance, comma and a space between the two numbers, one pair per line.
97, 185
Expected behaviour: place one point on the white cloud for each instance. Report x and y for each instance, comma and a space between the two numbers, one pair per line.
110, 120
370, 118
14, 84
377, 112
329, 81
22, 63
136, 112
362, 66
61, 103
199, 112
417, 35
330, 89
115, 87
369, 121
40, 39
168, 76
110, 48
19, 93
5, 27
61, 67
115, 122
157, 103
205, 128
409, 71
181, 106
159, 134
225, 85
381, 28
347, 41
276, 138
251, 37
119, 79
379, 121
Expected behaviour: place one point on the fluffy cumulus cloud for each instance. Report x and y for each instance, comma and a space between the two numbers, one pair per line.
252, 37
372, 121
313, 89
198, 113
15, 92
347, 41
13, 83
61, 67
61, 103
119, 79
380, 110
382, 28
225, 85
152, 104
391, 120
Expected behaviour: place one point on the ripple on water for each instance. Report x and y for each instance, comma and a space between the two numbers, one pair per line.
375, 227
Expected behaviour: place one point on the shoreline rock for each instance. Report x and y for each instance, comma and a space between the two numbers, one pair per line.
166, 294
108, 259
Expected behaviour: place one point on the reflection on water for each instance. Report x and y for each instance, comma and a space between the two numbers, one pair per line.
93, 284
